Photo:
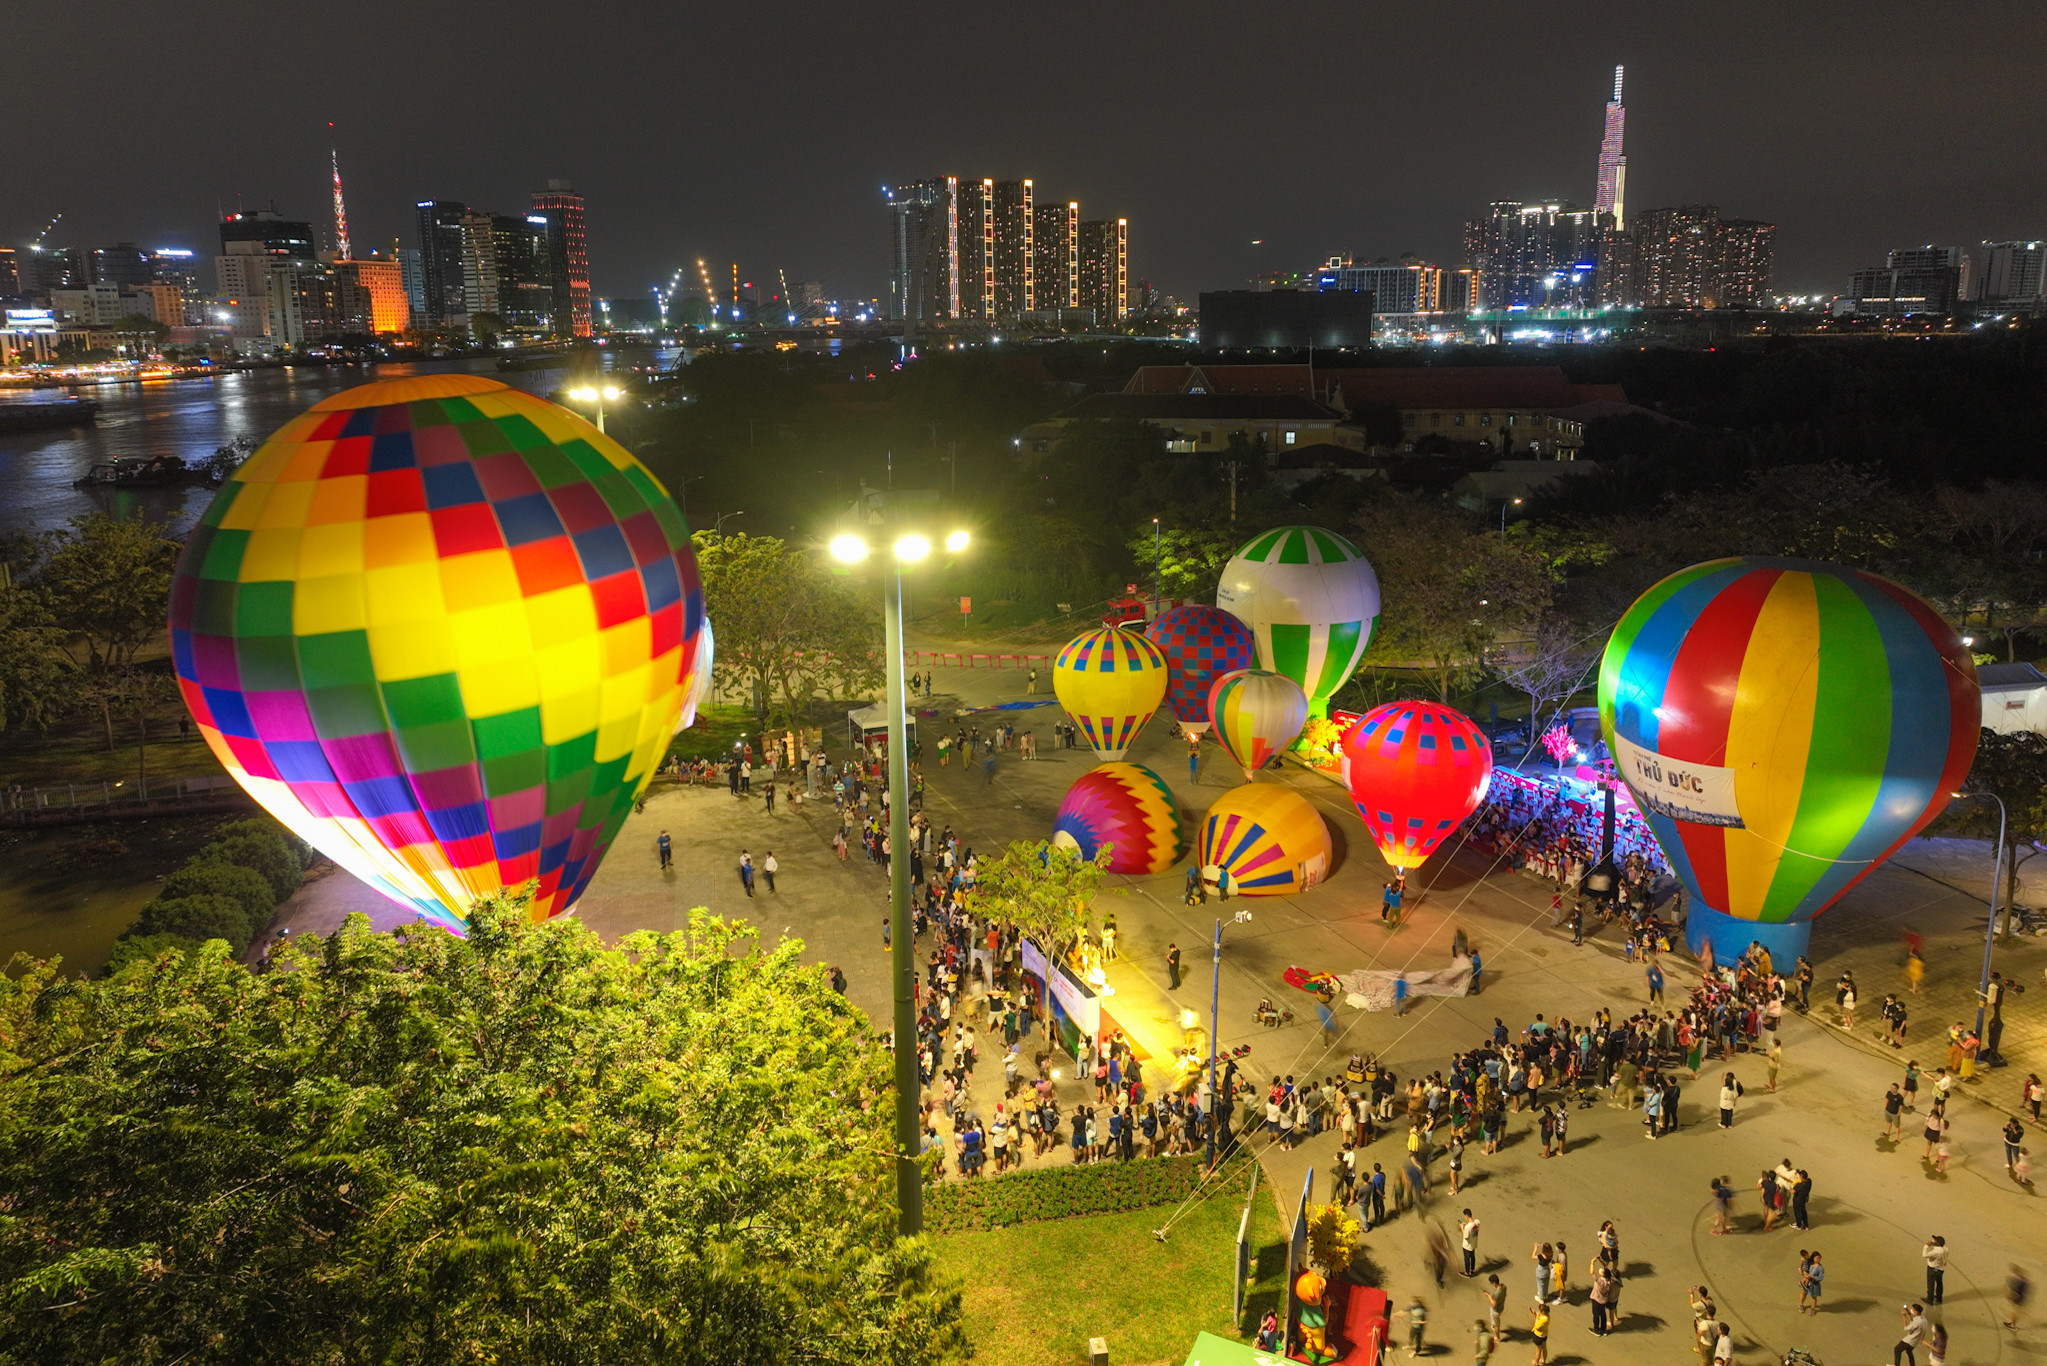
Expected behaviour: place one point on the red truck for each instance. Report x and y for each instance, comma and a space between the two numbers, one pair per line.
1134, 609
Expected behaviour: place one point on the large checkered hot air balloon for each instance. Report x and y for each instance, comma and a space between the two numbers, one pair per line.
1311, 599
1417, 770
1257, 714
443, 630
1784, 727
1110, 681
1200, 644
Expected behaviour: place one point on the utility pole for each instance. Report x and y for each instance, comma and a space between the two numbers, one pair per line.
1154, 569
1233, 492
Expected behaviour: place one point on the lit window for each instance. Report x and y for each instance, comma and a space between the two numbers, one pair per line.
1458, 420
1485, 419
1289, 439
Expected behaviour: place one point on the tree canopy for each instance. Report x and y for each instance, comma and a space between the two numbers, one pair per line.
411, 1147
784, 626
1044, 890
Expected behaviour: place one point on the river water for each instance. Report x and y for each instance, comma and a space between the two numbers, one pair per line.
191, 418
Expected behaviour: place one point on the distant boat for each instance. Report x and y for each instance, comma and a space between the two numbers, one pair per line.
166, 471
42, 417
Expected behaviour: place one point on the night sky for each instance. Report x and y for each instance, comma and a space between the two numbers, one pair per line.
762, 132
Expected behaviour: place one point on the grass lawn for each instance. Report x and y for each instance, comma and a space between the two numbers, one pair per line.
1035, 1293
86, 759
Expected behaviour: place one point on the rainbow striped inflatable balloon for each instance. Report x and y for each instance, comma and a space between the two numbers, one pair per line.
1784, 726
1270, 839
1200, 644
1130, 809
1417, 769
1257, 715
1110, 681
443, 630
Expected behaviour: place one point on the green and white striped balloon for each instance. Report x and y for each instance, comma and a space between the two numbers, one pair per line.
1311, 599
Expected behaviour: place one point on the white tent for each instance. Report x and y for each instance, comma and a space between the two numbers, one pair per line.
2014, 698
864, 724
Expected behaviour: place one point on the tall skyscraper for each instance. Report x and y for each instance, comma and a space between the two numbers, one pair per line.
1613, 166
1534, 255
479, 265
1014, 244
525, 272
341, 246
1688, 257
1055, 256
2010, 271
975, 237
1105, 269
1406, 286
924, 250
440, 259
568, 257
255, 245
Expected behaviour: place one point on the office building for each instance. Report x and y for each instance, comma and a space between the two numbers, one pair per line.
1912, 280
923, 250
1463, 289
568, 257
525, 273
479, 266
42, 269
1408, 286
179, 266
974, 243
316, 303
1609, 199
10, 277
1251, 319
1014, 248
1535, 255
440, 251
1105, 269
253, 243
2008, 272
163, 304
124, 264
1055, 257
1687, 256
265, 232
381, 283
89, 305
412, 270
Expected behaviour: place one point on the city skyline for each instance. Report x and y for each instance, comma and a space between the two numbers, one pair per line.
1749, 108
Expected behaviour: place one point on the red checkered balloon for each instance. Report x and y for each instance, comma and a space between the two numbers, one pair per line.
1200, 644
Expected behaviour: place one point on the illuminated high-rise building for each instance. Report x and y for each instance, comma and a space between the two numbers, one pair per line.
974, 237
1055, 256
568, 257
924, 258
1534, 255
2010, 272
1611, 195
479, 265
1105, 269
440, 259
525, 272
1015, 294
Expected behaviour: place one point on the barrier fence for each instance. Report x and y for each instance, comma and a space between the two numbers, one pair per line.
110, 799
945, 659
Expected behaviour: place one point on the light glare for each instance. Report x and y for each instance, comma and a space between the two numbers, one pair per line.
956, 542
850, 549
912, 549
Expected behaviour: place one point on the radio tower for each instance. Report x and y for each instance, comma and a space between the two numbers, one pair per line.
340, 208
1613, 167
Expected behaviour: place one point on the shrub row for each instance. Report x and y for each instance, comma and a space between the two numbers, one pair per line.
228, 890
1026, 1197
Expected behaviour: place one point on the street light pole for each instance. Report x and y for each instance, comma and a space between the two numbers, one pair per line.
1990, 929
1154, 568
902, 959
1215, 996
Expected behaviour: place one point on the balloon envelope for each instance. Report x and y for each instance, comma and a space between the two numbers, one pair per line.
1257, 714
442, 630
1110, 681
1784, 726
1200, 645
1126, 807
1417, 770
1270, 839
1311, 599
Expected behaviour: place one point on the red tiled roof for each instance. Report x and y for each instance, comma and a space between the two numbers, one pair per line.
1456, 386
1224, 379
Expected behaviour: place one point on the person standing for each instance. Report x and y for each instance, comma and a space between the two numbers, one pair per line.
769, 868
1934, 1254
1774, 1061
1912, 1317
1723, 1345
1812, 1281
1031, 688
746, 871
1801, 1194
1173, 965
666, 848
1467, 1242
1495, 1303
2014, 1135
1538, 1329
769, 791
1655, 976
1730, 1091
1894, 1113
746, 777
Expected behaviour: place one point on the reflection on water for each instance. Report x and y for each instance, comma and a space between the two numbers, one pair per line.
190, 418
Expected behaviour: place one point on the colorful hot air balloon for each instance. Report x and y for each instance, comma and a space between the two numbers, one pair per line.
1257, 714
1127, 807
1311, 599
1784, 726
443, 631
1270, 839
1110, 681
1200, 645
1416, 771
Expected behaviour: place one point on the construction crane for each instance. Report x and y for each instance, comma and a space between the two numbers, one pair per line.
37, 245
710, 294
788, 304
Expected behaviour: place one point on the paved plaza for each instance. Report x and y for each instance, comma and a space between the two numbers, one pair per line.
1874, 1203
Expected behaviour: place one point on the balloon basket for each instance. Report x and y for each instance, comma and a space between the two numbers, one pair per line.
1731, 936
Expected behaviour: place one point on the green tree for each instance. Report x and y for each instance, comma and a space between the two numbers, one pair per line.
271, 859
195, 919
246, 887
784, 626
516, 1146
1044, 890
109, 581
1190, 561
1450, 589
36, 673
2014, 768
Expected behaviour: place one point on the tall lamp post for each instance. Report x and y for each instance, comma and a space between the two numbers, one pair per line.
1990, 929
1215, 997
1154, 568
1504, 505
607, 394
909, 549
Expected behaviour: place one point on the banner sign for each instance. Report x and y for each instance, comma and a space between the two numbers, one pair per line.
1700, 793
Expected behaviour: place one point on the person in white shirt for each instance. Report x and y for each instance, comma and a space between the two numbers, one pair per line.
1467, 1241
1914, 1318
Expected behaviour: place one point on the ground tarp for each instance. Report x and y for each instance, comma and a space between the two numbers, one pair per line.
1373, 990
